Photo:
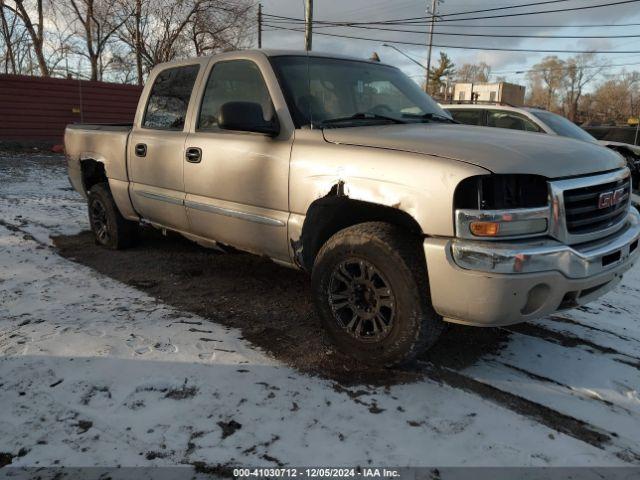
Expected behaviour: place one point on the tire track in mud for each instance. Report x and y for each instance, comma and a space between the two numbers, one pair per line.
25, 234
570, 321
553, 419
11, 333
569, 390
568, 340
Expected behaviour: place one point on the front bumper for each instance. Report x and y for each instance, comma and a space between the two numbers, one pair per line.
493, 284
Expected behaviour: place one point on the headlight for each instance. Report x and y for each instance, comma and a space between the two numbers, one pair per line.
502, 207
502, 223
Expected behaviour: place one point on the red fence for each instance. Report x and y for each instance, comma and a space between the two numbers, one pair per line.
37, 109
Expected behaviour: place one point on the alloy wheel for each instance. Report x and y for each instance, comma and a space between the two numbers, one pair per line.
362, 300
99, 221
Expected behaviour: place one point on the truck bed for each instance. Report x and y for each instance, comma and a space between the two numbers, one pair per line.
103, 127
104, 143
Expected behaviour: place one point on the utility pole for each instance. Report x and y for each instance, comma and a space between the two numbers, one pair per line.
308, 24
259, 25
446, 89
431, 25
635, 140
65, 50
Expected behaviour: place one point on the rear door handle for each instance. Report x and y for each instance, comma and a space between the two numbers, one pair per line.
141, 150
194, 155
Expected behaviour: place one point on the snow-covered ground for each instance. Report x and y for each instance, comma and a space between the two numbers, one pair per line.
94, 372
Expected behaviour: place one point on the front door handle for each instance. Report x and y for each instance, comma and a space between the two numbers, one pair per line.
141, 150
194, 155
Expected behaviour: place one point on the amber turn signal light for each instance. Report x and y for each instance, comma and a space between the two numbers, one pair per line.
484, 229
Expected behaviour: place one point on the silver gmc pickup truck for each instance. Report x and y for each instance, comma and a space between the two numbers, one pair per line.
346, 169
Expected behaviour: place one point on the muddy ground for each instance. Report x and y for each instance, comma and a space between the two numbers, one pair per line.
575, 373
269, 303
272, 306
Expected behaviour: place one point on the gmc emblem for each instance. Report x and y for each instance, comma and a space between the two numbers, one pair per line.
610, 199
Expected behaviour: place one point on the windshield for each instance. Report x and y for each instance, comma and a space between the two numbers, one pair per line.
332, 92
563, 126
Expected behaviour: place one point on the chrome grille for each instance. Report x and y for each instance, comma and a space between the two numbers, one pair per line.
585, 215
576, 216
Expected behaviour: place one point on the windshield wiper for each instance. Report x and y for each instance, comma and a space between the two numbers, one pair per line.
429, 117
362, 116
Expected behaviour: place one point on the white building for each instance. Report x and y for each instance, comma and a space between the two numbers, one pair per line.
501, 92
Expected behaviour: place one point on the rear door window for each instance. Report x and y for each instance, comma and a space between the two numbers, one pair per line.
169, 98
468, 117
510, 120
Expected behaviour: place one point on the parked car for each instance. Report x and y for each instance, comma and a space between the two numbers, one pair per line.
344, 168
542, 121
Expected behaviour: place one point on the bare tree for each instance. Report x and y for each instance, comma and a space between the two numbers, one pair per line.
96, 28
136, 20
155, 29
137, 39
579, 72
117, 36
474, 73
24, 11
7, 31
546, 80
122, 67
165, 40
614, 98
222, 26
161, 30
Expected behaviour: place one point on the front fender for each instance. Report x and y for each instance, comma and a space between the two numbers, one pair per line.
420, 185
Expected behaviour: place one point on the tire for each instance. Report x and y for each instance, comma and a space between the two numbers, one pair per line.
371, 291
109, 227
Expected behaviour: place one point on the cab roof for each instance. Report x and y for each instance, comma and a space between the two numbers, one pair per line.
269, 53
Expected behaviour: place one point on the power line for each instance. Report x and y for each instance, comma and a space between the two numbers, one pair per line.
591, 25
458, 34
420, 21
378, 7
379, 40
562, 68
557, 10
506, 7
545, 26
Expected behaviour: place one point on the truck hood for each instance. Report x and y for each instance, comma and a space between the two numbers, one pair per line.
497, 150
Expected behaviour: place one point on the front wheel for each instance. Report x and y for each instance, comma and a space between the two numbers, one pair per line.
109, 227
371, 291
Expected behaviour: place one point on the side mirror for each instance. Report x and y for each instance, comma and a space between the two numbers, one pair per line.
246, 117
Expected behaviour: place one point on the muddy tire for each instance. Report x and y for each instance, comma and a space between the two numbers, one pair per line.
109, 227
371, 291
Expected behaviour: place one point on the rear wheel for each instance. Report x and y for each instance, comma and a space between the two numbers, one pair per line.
371, 291
110, 228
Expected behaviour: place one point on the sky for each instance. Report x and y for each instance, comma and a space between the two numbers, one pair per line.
503, 63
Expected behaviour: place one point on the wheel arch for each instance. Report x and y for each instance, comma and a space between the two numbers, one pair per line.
631, 157
93, 172
336, 211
